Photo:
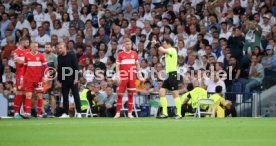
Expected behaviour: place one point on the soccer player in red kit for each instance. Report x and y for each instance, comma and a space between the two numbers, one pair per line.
127, 60
19, 54
33, 78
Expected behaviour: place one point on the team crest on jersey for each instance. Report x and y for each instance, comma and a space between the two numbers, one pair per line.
37, 58
28, 59
132, 56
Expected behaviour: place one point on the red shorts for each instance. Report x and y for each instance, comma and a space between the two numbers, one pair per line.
128, 85
31, 86
18, 86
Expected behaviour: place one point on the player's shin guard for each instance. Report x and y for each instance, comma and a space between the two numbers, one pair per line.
39, 106
119, 103
130, 103
16, 103
178, 106
28, 103
164, 105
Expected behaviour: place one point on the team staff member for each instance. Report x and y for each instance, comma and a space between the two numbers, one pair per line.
52, 63
220, 103
171, 83
190, 99
68, 60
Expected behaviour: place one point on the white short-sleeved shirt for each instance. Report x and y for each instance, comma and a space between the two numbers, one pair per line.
20, 25
42, 40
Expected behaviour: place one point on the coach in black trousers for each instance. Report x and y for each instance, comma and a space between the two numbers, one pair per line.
68, 78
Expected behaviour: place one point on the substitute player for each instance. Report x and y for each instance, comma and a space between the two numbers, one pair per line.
126, 62
171, 83
19, 54
33, 78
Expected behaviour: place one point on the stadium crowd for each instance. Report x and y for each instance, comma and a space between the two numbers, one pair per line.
235, 36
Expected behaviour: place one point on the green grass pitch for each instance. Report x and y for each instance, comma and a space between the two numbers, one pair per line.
139, 132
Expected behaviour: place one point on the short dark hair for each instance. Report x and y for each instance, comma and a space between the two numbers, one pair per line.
168, 40
190, 87
205, 42
218, 89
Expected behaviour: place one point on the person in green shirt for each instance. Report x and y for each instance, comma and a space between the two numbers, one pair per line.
190, 99
220, 103
171, 82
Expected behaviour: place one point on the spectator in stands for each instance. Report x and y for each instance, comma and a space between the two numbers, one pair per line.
109, 102
42, 39
252, 33
213, 82
58, 30
236, 42
76, 22
269, 63
8, 75
256, 74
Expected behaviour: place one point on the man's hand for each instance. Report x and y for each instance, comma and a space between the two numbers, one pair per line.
108, 105
118, 80
58, 84
153, 42
21, 82
76, 82
141, 79
45, 79
228, 104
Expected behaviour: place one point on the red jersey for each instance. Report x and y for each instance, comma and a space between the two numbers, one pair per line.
33, 71
20, 53
127, 62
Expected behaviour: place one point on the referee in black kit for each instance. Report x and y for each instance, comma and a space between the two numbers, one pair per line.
68, 78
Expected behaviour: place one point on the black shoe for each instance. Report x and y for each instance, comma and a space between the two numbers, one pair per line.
44, 115
51, 115
162, 117
177, 117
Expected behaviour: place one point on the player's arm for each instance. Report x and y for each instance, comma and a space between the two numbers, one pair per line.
24, 68
19, 60
160, 48
45, 65
118, 63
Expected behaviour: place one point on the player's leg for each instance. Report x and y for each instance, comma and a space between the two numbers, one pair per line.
163, 99
121, 90
174, 88
177, 103
131, 90
23, 99
53, 104
17, 99
39, 91
39, 104
29, 88
164, 103
28, 104
76, 95
65, 94
16, 102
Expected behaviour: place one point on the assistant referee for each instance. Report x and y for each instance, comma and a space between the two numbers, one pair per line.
171, 83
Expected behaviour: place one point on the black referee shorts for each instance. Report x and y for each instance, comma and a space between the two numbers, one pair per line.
171, 83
